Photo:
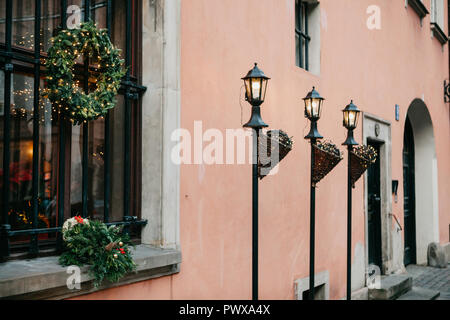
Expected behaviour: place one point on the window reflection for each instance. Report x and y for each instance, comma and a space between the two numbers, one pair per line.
76, 171
96, 166
118, 27
2, 20
21, 151
50, 21
21, 161
2, 113
98, 13
23, 24
48, 161
116, 158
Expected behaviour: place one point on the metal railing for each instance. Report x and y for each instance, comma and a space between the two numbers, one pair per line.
396, 220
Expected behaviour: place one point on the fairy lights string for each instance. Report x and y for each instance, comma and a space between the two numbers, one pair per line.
61, 90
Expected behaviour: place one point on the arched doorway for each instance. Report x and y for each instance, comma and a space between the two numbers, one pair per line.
420, 184
409, 192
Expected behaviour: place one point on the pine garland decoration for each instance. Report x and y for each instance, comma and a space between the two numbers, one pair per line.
367, 153
61, 90
361, 158
327, 156
105, 249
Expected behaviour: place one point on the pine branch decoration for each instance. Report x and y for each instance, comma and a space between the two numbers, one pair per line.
105, 249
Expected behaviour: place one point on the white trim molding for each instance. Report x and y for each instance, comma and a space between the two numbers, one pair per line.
379, 130
161, 108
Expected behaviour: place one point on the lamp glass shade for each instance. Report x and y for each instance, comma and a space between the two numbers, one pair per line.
255, 86
313, 105
351, 118
313, 108
248, 90
255, 89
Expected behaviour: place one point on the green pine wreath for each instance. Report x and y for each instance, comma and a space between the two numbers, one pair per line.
61, 90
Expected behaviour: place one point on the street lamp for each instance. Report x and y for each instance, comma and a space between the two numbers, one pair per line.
351, 116
255, 92
313, 110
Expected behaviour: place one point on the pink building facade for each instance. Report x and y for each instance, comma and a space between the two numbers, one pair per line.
397, 62
381, 54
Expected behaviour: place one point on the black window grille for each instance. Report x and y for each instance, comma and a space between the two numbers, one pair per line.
39, 185
302, 37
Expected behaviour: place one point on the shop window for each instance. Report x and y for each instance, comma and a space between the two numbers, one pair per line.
89, 170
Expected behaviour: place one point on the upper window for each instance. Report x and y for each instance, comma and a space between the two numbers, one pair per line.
302, 38
438, 20
437, 12
307, 35
49, 169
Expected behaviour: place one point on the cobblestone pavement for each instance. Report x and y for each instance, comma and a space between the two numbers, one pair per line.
431, 278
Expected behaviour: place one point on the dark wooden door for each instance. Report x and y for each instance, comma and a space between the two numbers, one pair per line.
409, 205
374, 210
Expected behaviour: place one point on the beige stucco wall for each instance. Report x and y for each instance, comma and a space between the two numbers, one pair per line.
220, 40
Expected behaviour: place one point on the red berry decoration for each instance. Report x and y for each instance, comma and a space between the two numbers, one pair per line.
79, 219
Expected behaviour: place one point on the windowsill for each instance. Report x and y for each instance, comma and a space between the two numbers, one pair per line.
419, 8
306, 72
438, 33
44, 278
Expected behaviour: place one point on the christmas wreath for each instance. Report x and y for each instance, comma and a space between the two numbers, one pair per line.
105, 249
61, 90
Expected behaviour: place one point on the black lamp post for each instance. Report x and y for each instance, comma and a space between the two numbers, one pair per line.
313, 110
351, 115
255, 92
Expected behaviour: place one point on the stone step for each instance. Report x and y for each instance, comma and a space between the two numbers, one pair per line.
391, 287
420, 294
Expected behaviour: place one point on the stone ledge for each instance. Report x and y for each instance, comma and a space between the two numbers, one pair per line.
439, 33
44, 278
391, 287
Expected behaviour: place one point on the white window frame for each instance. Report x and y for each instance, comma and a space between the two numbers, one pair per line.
437, 13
